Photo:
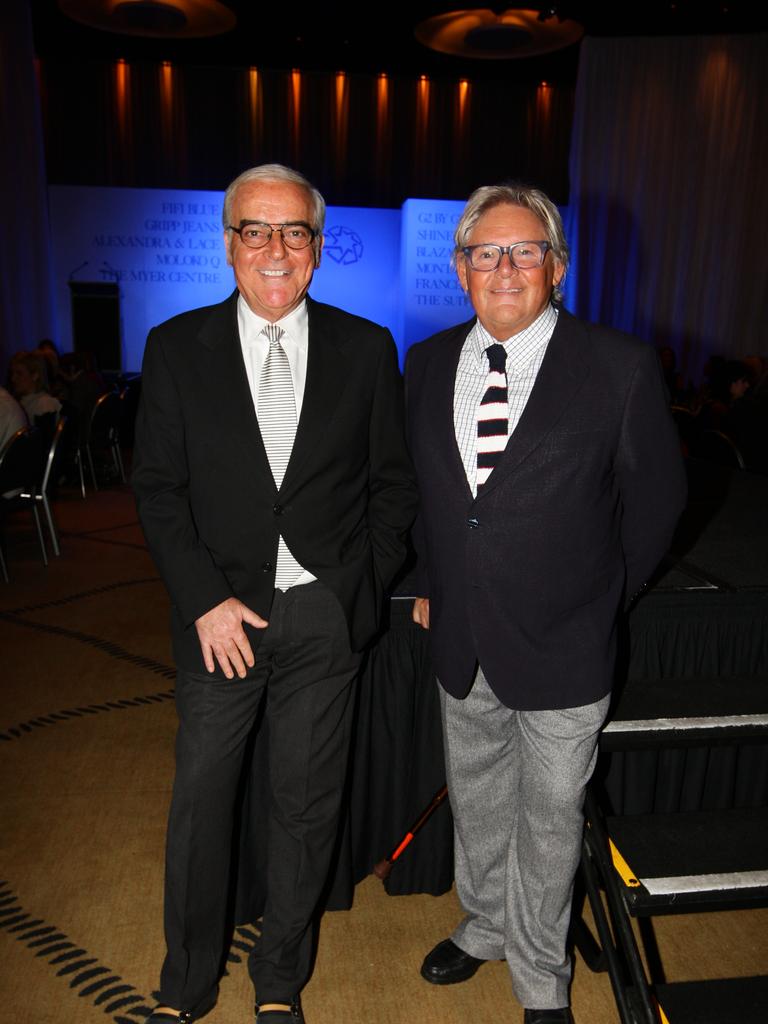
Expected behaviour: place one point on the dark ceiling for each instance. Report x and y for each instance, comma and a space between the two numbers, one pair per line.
360, 37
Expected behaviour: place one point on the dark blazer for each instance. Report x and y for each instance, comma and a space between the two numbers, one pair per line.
207, 501
529, 577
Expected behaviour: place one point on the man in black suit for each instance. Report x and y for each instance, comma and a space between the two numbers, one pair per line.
275, 490
550, 484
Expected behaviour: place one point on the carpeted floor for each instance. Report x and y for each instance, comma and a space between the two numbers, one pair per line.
86, 738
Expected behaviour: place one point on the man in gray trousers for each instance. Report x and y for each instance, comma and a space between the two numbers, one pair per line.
550, 481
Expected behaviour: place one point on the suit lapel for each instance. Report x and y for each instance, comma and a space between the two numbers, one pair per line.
325, 384
563, 370
442, 386
228, 382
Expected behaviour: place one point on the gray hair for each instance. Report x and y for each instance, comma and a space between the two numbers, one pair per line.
487, 197
275, 172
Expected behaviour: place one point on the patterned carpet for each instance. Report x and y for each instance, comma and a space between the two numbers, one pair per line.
86, 745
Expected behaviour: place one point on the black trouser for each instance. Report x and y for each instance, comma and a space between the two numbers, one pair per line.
304, 670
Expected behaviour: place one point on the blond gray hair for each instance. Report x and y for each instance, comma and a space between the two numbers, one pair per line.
487, 197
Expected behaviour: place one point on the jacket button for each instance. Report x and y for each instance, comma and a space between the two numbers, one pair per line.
473, 523
266, 567
278, 510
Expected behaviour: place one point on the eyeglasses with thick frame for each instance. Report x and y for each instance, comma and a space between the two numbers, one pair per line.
522, 255
296, 234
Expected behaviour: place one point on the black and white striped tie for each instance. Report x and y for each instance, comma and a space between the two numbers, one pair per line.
492, 415
277, 423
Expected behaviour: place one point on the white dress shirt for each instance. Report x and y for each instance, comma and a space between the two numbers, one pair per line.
525, 352
39, 404
12, 417
295, 343
255, 345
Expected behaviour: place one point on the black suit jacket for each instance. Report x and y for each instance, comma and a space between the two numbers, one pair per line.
207, 501
529, 577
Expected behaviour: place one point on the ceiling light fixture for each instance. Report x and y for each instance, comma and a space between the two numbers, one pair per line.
486, 35
162, 19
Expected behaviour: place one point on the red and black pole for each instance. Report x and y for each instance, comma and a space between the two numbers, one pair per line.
383, 868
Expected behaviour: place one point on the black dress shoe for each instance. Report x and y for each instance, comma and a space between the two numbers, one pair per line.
159, 1016
561, 1016
292, 1016
447, 964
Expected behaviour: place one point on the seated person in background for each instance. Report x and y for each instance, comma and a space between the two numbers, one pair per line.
57, 385
729, 383
84, 387
759, 368
29, 381
672, 378
12, 417
712, 372
746, 418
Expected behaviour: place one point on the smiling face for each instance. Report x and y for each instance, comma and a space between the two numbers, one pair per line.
273, 280
508, 300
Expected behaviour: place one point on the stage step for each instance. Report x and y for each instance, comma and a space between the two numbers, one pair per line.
695, 860
688, 712
726, 1001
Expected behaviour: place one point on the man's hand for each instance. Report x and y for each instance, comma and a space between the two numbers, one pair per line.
420, 612
222, 637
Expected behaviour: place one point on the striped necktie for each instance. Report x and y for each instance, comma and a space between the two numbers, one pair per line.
277, 423
277, 405
492, 415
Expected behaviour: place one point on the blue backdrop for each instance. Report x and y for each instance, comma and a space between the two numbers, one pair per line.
165, 250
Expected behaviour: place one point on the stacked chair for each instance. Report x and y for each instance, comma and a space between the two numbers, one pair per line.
21, 471
29, 466
103, 437
41, 492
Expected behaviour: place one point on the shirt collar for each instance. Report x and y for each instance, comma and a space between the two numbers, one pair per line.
521, 347
295, 325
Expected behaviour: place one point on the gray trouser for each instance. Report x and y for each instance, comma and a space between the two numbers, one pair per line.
516, 781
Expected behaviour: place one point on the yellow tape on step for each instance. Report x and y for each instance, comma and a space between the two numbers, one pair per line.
628, 876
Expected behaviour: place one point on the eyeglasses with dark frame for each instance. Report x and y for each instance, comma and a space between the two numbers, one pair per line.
296, 234
523, 255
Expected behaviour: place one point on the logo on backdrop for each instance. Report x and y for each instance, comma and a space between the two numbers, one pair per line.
343, 245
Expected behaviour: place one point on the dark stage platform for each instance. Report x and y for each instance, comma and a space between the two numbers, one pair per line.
705, 617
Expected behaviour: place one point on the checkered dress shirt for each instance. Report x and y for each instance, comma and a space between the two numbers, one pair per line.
525, 352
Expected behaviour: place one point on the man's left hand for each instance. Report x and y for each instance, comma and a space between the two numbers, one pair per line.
420, 613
